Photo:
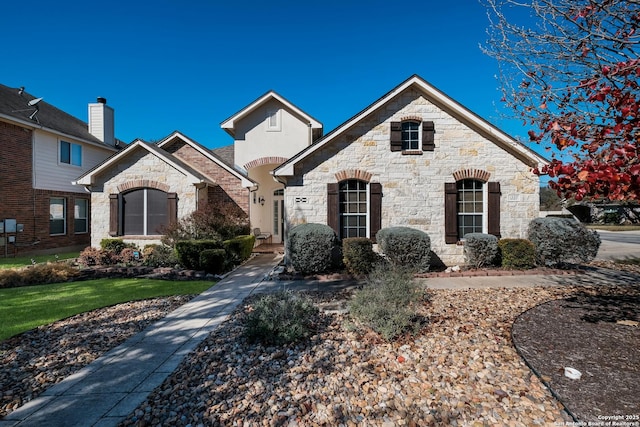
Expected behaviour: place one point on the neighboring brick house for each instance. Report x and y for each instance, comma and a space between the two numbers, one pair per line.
414, 158
43, 149
147, 186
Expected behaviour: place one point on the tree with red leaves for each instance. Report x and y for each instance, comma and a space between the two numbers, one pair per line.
570, 69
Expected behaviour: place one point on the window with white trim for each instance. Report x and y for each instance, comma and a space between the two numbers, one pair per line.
273, 120
57, 216
471, 207
80, 216
353, 208
410, 135
70, 153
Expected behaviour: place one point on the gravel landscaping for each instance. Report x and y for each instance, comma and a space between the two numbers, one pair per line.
462, 368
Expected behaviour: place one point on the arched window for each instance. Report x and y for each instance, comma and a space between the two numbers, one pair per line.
144, 212
471, 207
353, 208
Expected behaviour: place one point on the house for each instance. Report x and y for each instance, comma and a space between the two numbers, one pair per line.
415, 158
43, 150
145, 187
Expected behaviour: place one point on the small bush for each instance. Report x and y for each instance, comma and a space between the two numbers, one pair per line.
518, 254
480, 250
115, 245
388, 302
96, 257
223, 221
561, 241
159, 256
213, 261
39, 274
406, 247
188, 251
312, 248
128, 256
280, 318
358, 255
239, 248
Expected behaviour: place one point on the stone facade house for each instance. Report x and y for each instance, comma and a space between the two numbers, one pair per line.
43, 149
414, 158
147, 186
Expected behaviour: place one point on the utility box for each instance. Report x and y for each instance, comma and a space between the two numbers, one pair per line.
10, 225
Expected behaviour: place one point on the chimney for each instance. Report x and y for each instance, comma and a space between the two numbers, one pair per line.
101, 122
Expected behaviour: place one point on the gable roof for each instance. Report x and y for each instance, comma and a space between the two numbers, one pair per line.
246, 181
14, 106
193, 175
439, 99
229, 124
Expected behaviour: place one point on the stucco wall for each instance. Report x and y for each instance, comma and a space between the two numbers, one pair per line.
140, 165
413, 185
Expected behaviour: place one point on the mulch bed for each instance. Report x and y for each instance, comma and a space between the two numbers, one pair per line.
596, 332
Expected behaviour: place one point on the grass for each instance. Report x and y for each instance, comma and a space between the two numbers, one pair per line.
26, 308
22, 261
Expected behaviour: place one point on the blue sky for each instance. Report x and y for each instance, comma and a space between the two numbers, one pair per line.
188, 65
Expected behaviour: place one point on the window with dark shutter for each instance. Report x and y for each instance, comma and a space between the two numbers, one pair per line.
450, 212
428, 136
375, 203
114, 218
493, 208
333, 216
396, 136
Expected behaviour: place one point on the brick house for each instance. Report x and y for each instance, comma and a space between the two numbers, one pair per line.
43, 150
414, 158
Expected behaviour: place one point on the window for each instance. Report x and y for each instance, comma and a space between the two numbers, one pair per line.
57, 216
144, 212
273, 120
410, 135
70, 154
353, 208
470, 207
80, 216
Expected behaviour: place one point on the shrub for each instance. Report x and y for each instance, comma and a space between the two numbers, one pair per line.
223, 221
159, 256
188, 251
39, 274
406, 247
128, 256
93, 256
480, 250
519, 254
115, 245
213, 261
280, 318
239, 248
312, 248
358, 255
561, 241
388, 302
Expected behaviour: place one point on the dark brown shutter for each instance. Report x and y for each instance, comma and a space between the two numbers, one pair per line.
375, 203
114, 219
494, 209
428, 132
172, 208
396, 136
450, 212
333, 208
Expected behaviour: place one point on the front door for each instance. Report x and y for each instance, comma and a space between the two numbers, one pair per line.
278, 216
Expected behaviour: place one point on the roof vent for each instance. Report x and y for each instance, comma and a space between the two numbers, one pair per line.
101, 100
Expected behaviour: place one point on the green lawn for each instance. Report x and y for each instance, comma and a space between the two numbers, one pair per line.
22, 261
25, 308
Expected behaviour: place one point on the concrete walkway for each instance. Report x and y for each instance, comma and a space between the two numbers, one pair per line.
107, 390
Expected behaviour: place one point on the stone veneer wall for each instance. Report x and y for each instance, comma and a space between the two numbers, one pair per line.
413, 185
136, 167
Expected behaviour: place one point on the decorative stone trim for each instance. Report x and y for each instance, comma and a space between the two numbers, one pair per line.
353, 174
142, 183
412, 152
271, 160
472, 174
411, 118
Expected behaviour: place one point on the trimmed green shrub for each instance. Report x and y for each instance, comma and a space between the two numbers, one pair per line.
115, 245
388, 302
213, 261
406, 247
480, 250
188, 251
518, 254
280, 318
240, 247
560, 241
39, 274
358, 255
312, 248
159, 256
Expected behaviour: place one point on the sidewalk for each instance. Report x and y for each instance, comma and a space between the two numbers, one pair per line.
110, 388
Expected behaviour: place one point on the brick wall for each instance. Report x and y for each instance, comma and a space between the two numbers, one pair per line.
30, 207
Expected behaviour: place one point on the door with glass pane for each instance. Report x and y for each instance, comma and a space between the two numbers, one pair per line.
278, 216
